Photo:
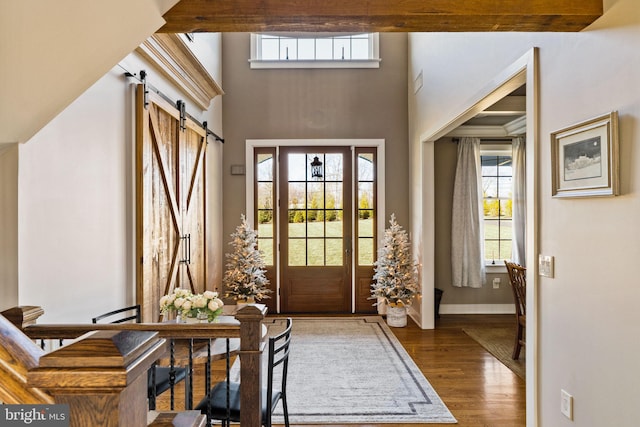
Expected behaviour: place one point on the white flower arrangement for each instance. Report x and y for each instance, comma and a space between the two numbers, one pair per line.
187, 304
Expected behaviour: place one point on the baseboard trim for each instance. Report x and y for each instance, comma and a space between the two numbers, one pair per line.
477, 309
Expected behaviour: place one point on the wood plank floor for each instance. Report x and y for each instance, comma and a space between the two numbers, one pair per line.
476, 387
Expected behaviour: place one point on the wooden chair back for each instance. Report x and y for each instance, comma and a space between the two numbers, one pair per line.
518, 279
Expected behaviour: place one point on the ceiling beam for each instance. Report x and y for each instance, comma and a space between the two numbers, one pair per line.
381, 15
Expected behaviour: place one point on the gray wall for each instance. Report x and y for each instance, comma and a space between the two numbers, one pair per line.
315, 103
8, 229
445, 169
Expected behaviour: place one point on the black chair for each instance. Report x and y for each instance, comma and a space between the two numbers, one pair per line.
158, 377
215, 404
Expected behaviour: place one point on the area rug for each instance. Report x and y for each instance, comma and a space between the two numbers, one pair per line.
347, 370
499, 342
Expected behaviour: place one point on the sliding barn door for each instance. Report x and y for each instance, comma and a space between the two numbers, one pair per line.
170, 198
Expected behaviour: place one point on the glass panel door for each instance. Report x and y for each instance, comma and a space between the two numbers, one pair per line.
315, 225
265, 216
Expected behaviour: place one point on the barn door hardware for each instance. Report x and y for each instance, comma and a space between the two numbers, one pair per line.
186, 249
181, 106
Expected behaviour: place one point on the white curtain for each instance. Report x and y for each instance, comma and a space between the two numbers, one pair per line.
519, 200
467, 237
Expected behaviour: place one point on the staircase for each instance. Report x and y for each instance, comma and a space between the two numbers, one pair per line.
102, 374
52, 51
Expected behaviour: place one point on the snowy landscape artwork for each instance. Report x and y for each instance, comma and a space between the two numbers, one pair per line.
582, 159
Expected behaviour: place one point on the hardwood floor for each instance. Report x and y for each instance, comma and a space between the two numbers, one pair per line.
475, 386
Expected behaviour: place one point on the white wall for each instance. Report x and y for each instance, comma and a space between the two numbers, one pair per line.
74, 204
76, 196
208, 48
588, 314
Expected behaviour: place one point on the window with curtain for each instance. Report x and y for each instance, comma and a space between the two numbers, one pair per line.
488, 211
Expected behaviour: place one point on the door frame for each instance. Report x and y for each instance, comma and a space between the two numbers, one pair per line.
523, 71
378, 144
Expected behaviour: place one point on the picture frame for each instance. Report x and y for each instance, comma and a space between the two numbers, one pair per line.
585, 159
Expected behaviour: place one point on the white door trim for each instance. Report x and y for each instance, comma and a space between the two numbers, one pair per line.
250, 144
523, 71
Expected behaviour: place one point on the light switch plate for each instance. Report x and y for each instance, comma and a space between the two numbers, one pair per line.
545, 265
237, 169
566, 404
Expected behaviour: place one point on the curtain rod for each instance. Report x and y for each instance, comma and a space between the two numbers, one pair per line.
498, 140
142, 79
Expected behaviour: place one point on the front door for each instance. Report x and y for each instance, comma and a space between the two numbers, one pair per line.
315, 229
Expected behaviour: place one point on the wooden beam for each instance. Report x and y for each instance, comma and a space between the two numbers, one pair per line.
381, 15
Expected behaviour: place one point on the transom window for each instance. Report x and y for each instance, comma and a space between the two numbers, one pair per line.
497, 191
314, 50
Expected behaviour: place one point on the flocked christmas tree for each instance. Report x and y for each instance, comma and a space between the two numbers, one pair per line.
245, 275
395, 277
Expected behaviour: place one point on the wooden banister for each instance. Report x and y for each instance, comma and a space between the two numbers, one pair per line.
227, 327
101, 376
23, 315
251, 341
18, 355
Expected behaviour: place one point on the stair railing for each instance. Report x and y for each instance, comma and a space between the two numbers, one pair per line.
118, 355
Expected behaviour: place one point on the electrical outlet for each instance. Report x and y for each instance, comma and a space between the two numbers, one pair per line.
496, 283
566, 404
545, 265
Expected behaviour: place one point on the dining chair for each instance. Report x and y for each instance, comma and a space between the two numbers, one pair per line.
226, 407
159, 378
518, 279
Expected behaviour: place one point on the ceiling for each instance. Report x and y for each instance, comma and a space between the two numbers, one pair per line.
505, 118
381, 15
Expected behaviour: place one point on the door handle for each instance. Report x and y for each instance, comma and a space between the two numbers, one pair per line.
186, 249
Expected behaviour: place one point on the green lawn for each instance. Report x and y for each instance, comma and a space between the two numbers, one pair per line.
317, 236
315, 243
492, 250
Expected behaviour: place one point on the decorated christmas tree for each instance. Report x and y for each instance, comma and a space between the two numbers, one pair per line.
245, 274
395, 277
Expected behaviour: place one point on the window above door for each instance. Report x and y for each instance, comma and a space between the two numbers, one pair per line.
315, 50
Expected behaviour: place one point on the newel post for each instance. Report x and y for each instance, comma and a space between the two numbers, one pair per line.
102, 377
250, 318
23, 315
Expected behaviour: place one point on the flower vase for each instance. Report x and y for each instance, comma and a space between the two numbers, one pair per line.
203, 317
191, 319
397, 315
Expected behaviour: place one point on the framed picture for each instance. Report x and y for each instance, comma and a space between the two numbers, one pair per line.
584, 158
